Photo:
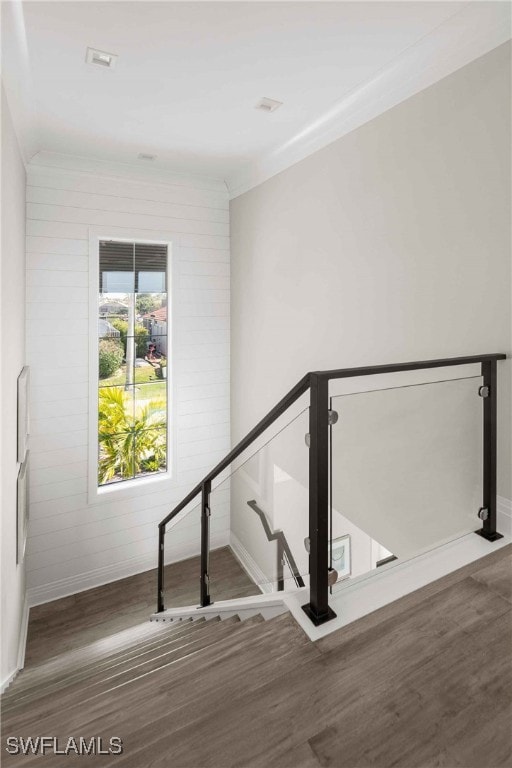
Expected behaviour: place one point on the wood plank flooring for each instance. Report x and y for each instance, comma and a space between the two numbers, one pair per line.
424, 682
97, 613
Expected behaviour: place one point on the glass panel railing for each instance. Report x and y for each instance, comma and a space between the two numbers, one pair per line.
181, 577
267, 500
406, 472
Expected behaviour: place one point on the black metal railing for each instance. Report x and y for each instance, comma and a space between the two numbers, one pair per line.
317, 382
283, 550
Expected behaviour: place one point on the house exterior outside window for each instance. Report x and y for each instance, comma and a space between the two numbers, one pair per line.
132, 402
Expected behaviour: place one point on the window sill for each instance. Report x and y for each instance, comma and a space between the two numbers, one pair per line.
127, 488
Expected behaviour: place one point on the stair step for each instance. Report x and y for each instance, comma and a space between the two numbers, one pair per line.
171, 673
90, 651
253, 654
87, 657
255, 678
99, 685
179, 636
249, 666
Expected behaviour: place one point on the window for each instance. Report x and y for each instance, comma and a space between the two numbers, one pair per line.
132, 361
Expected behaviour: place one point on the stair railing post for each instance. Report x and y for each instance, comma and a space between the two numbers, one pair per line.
205, 543
489, 393
318, 609
280, 565
160, 588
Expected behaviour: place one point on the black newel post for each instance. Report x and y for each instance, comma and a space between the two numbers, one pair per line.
280, 564
318, 607
489, 393
160, 588
205, 543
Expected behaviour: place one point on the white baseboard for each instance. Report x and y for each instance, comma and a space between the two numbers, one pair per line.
84, 581
122, 570
250, 565
243, 607
22, 644
8, 680
504, 516
391, 582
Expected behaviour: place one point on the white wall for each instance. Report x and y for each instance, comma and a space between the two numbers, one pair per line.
391, 244
12, 359
75, 544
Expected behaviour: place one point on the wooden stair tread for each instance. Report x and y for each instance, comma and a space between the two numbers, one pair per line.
56, 668
104, 683
52, 684
174, 676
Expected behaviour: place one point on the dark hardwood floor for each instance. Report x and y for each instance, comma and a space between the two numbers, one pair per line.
89, 616
423, 682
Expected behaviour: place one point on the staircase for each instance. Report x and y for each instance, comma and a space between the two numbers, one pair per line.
154, 672
404, 686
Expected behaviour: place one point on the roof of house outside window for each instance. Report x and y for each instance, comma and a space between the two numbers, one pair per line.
107, 329
157, 314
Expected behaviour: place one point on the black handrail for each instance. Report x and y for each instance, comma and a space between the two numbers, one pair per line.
240, 447
373, 370
385, 560
317, 382
283, 548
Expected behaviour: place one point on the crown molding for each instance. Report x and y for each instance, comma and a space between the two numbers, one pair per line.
20, 94
64, 163
476, 29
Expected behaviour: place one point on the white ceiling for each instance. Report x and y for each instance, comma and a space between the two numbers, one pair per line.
190, 73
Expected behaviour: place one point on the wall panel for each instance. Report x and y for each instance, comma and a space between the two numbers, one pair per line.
75, 542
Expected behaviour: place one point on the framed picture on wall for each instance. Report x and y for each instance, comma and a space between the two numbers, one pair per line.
22, 509
23, 416
341, 556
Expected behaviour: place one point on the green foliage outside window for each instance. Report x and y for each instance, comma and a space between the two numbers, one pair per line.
141, 336
146, 303
111, 355
131, 441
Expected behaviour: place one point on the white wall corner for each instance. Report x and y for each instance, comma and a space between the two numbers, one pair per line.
17, 79
22, 645
504, 516
467, 35
249, 565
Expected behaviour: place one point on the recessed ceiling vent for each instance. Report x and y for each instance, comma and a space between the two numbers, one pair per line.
268, 105
145, 156
101, 58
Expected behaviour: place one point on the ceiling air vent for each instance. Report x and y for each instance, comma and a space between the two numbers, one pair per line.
268, 105
145, 156
101, 58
